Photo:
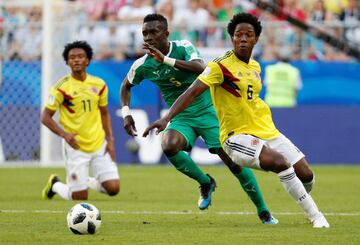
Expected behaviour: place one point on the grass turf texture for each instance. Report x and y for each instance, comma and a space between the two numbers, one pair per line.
142, 212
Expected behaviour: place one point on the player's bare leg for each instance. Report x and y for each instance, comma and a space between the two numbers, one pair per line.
112, 187
79, 195
305, 174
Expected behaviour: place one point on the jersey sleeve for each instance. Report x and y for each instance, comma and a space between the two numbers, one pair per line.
191, 53
212, 75
103, 96
55, 99
135, 75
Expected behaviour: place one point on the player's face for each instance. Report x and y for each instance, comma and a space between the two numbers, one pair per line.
77, 59
155, 34
244, 39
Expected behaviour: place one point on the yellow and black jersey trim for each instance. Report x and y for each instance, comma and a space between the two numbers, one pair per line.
61, 82
221, 58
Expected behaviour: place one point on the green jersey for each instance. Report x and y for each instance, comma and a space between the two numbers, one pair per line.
171, 81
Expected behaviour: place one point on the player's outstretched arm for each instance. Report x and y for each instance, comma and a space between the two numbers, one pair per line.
125, 95
179, 105
194, 66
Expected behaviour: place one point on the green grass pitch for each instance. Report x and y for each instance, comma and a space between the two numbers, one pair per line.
158, 205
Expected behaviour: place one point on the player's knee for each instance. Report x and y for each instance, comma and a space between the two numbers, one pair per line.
303, 171
79, 195
112, 187
306, 175
114, 190
170, 147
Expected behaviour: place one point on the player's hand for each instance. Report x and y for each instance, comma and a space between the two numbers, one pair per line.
129, 126
71, 140
110, 148
159, 124
153, 52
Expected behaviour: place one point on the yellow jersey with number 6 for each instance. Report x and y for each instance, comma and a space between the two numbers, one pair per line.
78, 103
235, 87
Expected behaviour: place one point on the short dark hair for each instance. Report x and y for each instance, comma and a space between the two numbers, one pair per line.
78, 44
244, 18
156, 17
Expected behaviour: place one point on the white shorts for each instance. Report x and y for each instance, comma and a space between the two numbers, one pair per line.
78, 163
245, 149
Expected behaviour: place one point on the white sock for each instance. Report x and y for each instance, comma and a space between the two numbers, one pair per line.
62, 190
309, 185
95, 185
297, 191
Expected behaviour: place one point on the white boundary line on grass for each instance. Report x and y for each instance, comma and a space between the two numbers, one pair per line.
173, 212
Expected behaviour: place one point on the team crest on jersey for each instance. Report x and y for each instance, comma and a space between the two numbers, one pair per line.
254, 142
240, 74
95, 90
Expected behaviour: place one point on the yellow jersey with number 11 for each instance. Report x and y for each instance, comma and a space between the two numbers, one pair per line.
78, 103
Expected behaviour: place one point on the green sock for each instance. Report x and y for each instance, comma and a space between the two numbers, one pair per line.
249, 184
187, 166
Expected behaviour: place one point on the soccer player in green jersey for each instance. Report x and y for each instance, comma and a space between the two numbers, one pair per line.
173, 66
247, 131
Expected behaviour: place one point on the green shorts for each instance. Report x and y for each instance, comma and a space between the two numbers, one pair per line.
191, 127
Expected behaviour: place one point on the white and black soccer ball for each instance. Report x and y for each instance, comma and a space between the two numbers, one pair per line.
84, 218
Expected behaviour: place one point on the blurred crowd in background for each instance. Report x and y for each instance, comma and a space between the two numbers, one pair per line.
113, 27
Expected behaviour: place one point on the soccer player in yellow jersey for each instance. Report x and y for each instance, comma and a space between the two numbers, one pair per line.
86, 129
247, 132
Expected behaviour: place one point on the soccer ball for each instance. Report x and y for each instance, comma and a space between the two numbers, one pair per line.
84, 218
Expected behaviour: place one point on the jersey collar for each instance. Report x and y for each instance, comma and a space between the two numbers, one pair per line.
170, 48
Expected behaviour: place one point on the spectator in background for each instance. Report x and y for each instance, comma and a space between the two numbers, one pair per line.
317, 16
350, 16
95, 33
282, 81
194, 18
101, 8
224, 14
227, 10
335, 6
134, 12
27, 39
214, 35
112, 44
319, 13
167, 9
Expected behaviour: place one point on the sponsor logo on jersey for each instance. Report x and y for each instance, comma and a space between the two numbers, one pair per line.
157, 73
